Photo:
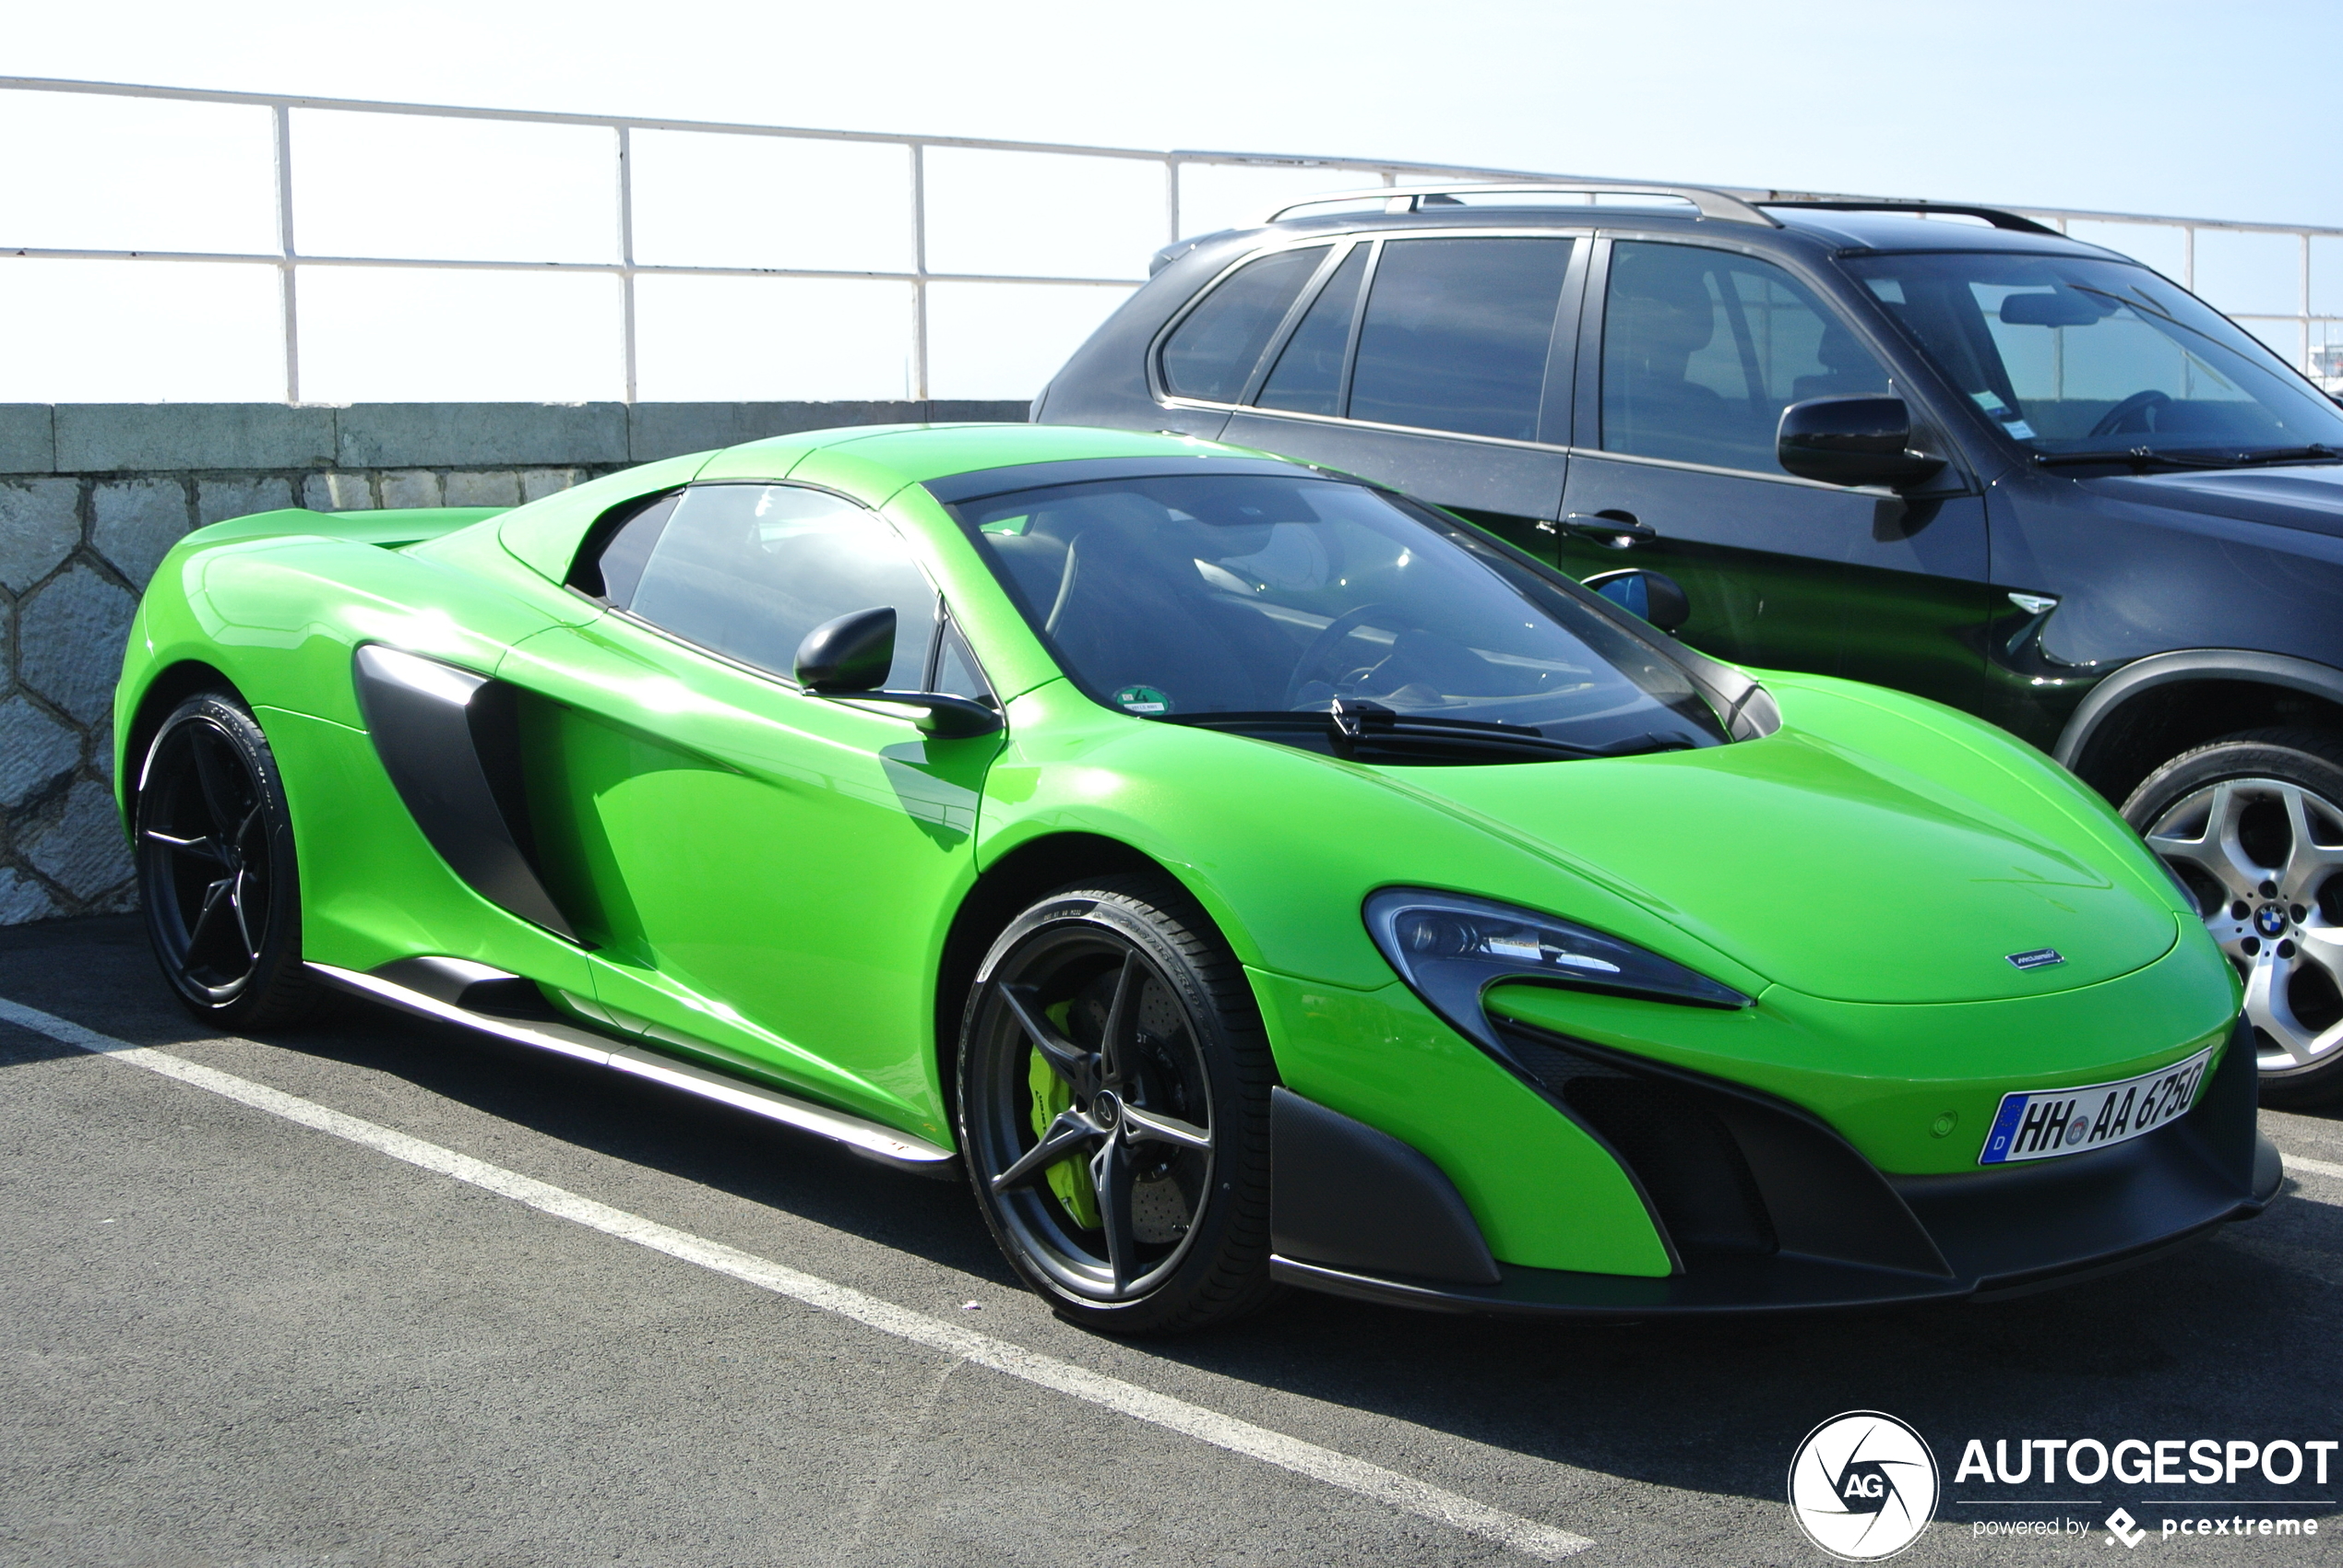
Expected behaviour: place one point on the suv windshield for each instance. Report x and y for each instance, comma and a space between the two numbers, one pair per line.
2075, 358
1245, 602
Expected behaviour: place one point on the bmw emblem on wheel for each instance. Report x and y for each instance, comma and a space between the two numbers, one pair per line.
1862, 1486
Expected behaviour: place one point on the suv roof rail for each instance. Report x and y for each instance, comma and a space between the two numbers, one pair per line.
1997, 217
1413, 198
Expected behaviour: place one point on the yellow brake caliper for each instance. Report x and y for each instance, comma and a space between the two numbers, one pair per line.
1069, 1178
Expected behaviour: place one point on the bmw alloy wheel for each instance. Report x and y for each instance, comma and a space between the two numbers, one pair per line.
2262, 855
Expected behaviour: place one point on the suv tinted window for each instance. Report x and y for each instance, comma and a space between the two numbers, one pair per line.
1702, 350
1213, 351
746, 570
1456, 335
1308, 379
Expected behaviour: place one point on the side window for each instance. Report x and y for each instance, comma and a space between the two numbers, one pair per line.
1212, 353
1308, 377
1456, 335
612, 562
746, 570
1702, 350
956, 671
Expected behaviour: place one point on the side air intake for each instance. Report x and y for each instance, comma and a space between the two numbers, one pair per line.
449, 740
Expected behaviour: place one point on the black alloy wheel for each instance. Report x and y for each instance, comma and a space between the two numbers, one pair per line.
216, 869
1114, 1110
2252, 823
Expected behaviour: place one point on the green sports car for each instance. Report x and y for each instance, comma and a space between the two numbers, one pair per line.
1243, 873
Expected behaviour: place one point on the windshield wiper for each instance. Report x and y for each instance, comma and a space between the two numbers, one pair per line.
1351, 724
2315, 453
2140, 456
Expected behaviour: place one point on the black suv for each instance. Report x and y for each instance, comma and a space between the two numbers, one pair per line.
1971, 458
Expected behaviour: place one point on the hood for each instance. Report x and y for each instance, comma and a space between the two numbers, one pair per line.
1875, 859
2305, 497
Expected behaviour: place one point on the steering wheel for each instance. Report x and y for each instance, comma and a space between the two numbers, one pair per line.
1325, 642
2112, 422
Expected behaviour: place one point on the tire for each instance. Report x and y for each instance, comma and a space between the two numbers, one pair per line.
216, 872
2254, 824
1154, 1219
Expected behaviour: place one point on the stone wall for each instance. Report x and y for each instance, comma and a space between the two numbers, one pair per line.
91, 496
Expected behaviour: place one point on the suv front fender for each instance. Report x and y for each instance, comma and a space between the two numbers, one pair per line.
2122, 729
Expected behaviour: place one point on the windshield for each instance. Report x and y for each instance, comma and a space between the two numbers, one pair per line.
2073, 356
1199, 596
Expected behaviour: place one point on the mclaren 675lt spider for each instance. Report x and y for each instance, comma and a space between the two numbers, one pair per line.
1241, 874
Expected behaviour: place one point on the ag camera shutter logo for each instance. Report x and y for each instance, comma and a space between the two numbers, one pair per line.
1862, 1486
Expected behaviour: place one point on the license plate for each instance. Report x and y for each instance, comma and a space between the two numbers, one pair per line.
2044, 1123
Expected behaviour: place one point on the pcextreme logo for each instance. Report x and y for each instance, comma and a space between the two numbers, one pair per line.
1862, 1486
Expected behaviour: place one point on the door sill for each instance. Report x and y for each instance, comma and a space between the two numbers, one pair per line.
455, 991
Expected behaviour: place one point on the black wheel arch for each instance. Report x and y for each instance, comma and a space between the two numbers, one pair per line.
2153, 708
1002, 891
171, 686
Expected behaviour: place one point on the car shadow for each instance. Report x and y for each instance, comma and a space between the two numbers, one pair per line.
2208, 1341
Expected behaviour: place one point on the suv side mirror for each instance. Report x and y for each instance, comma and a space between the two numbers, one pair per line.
851, 653
1851, 441
1655, 596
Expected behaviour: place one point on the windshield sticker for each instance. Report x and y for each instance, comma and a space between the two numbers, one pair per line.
2020, 428
1142, 700
1991, 404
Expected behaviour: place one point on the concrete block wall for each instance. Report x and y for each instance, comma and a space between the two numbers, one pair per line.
92, 496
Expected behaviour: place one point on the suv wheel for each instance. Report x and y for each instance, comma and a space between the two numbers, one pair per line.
2254, 824
1114, 1110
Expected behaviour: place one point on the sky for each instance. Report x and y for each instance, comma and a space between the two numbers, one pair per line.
2146, 107
2188, 109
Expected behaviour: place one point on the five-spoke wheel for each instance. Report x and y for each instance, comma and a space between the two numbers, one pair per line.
1113, 1109
2254, 824
216, 872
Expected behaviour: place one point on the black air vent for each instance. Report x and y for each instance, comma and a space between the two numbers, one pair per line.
1691, 1168
1725, 1169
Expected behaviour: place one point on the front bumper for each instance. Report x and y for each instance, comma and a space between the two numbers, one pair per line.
1777, 1213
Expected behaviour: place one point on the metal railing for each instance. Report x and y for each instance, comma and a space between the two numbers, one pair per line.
2318, 336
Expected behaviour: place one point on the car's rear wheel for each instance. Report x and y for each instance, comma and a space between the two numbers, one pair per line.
216, 868
1114, 1109
2254, 824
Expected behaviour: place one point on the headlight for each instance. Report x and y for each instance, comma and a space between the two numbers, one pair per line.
1450, 948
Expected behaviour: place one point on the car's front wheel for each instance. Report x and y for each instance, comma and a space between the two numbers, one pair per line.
216, 872
1114, 1109
2254, 824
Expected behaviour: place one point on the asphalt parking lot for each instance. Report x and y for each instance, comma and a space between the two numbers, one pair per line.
229, 1337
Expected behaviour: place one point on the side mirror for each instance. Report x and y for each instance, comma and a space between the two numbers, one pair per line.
1851, 441
851, 653
1655, 596
849, 656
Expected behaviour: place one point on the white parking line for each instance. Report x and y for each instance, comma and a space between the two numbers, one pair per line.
1400, 1491
2298, 1163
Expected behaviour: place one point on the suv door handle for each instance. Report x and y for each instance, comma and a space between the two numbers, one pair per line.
1614, 530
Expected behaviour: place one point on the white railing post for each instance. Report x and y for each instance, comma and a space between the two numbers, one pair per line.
627, 254
919, 272
2304, 241
281, 114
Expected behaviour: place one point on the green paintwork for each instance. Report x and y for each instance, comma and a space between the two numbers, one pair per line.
764, 880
